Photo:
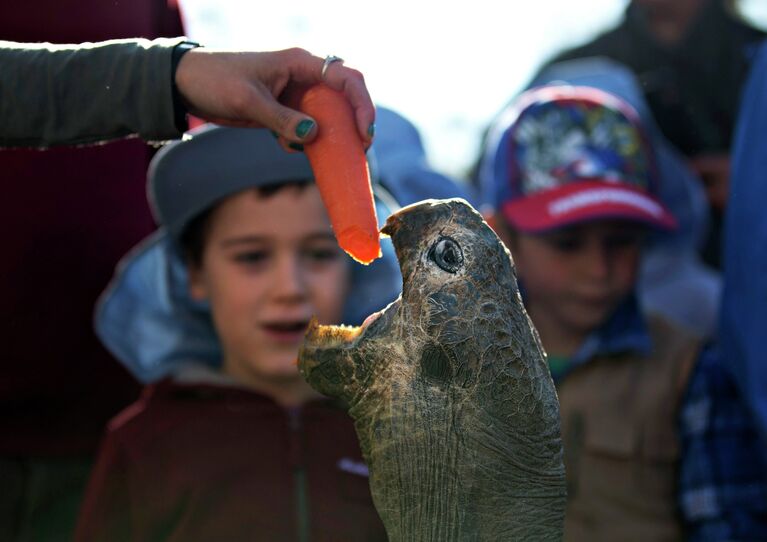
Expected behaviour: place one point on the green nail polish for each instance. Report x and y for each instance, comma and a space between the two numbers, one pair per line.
296, 146
275, 134
304, 127
372, 129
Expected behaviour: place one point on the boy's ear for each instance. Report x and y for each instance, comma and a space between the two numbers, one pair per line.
197, 289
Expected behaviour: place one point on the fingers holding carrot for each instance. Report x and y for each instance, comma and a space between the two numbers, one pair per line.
250, 89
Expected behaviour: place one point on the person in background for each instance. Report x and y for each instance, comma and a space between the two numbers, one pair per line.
691, 58
575, 206
673, 280
745, 290
724, 425
228, 442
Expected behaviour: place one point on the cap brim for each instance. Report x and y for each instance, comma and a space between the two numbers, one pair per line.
585, 201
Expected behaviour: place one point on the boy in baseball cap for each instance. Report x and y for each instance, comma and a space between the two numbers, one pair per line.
573, 199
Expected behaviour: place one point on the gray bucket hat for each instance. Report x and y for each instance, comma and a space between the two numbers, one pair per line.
188, 176
146, 317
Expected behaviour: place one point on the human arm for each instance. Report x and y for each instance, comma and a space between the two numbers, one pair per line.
79, 94
723, 475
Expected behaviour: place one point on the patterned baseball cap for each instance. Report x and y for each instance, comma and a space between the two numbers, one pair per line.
575, 154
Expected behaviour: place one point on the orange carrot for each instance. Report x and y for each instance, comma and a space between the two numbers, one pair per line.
337, 157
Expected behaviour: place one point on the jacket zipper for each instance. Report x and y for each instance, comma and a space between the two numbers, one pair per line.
299, 474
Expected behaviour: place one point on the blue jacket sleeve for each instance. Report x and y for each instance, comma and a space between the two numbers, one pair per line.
744, 303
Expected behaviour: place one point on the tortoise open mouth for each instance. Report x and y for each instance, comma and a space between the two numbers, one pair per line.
330, 350
329, 335
321, 335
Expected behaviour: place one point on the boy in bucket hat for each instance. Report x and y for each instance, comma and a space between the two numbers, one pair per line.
227, 441
573, 204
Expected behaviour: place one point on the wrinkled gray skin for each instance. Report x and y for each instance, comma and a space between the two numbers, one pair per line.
453, 404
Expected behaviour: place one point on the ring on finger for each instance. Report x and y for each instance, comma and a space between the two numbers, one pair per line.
328, 61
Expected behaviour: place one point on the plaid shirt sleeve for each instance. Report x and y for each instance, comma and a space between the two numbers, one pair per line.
723, 471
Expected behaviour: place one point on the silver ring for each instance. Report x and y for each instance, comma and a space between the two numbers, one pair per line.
328, 61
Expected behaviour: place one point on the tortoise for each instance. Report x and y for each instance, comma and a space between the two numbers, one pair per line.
452, 400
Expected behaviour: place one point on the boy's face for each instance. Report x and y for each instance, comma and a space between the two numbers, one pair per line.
269, 264
575, 277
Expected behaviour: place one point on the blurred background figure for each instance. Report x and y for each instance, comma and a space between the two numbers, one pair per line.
68, 214
744, 314
724, 423
575, 199
560, 190
673, 280
691, 58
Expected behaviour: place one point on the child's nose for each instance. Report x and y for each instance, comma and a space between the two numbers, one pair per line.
289, 281
598, 261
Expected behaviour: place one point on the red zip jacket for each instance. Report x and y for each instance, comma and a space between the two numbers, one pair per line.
202, 462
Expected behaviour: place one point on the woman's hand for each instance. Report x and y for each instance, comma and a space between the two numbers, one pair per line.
247, 88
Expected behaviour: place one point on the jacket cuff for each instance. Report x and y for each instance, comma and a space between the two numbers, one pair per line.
180, 112
157, 114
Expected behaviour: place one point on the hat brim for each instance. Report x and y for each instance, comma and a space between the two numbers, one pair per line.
189, 176
585, 201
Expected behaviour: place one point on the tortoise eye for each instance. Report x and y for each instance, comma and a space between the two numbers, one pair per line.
447, 254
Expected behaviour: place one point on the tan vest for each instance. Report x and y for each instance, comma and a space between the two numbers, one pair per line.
619, 419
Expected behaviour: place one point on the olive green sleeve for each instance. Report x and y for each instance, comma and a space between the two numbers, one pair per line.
87, 93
